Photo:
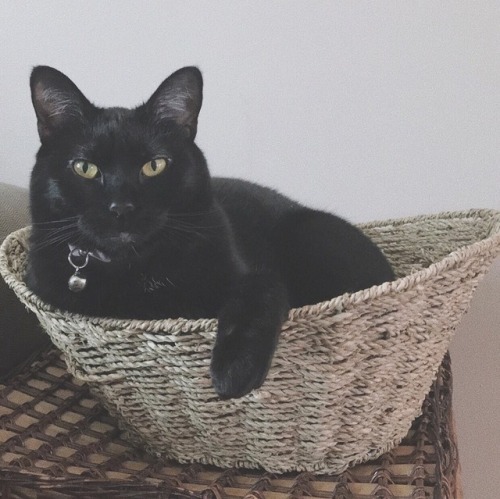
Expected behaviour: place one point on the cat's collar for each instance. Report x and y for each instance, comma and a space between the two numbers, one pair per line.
76, 252
79, 259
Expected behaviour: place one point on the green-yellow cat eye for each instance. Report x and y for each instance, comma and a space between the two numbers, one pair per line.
85, 169
154, 167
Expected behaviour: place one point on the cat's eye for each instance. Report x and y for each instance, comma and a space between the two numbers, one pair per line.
85, 169
154, 167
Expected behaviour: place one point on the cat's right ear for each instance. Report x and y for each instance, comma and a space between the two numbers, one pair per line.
58, 102
178, 100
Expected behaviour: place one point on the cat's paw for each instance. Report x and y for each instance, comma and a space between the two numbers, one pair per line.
249, 327
239, 365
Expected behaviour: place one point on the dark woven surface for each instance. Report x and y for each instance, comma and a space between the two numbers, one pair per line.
56, 441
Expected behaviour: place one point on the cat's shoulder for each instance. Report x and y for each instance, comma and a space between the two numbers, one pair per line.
242, 192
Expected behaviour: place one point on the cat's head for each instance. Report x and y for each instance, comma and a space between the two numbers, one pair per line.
114, 176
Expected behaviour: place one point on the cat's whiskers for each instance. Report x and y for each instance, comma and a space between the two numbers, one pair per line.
176, 235
53, 222
189, 225
189, 232
192, 214
134, 249
58, 230
183, 231
179, 223
58, 235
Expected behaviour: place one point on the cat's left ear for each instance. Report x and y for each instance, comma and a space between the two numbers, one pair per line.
58, 102
178, 99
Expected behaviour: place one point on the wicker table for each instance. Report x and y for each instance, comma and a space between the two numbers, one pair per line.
56, 441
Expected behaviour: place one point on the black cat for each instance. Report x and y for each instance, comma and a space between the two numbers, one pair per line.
125, 194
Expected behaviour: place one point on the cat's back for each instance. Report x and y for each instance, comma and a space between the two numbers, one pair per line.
250, 204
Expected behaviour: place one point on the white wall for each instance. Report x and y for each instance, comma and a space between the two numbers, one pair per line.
371, 109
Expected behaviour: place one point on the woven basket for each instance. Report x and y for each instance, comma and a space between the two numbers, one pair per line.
348, 377
57, 442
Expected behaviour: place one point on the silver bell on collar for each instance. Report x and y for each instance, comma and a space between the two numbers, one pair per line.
77, 282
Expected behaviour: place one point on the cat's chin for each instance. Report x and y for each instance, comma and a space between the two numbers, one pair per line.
122, 246
126, 238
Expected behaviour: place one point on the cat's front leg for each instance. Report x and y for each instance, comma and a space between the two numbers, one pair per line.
249, 325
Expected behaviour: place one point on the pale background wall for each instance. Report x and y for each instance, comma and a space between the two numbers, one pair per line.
369, 109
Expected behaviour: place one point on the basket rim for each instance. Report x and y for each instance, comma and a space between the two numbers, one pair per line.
490, 242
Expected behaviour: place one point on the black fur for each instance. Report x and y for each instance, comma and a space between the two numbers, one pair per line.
180, 243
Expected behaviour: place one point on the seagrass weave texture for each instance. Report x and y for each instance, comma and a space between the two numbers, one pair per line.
58, 442
348, 378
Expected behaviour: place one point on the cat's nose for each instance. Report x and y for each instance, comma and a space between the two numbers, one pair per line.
120, 209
